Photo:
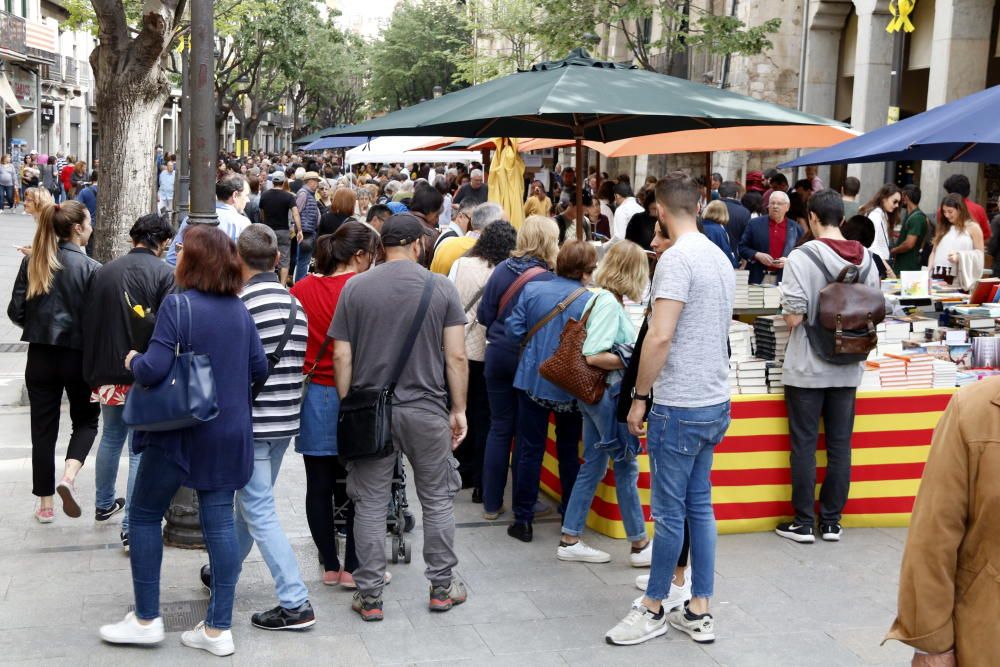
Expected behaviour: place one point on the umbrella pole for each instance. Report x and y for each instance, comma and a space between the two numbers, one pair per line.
579, 186
708, 176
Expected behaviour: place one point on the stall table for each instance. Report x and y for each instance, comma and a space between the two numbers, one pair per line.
751, 478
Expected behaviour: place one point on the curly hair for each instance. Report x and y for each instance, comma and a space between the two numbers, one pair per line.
495, 243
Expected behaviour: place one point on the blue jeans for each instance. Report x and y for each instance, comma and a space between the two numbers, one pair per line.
6, 196
681, 442
257, 521
501, 364
109, 453
303, 255
601, 427
155, 484
532, 437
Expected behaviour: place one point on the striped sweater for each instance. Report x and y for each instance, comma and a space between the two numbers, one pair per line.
276, 408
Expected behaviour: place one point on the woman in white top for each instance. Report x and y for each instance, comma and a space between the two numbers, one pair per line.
883, 211
956, 232
470, 273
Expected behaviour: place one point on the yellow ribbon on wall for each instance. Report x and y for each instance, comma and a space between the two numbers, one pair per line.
901, 10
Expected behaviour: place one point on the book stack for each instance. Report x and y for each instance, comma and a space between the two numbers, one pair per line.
919, 371
740, 341
945, 374
891, 372
870, 379
774, 379
742, 297
772, 297
896, 331
771, 334
755, 298
752, 376
921, 325
734, 382
977, 320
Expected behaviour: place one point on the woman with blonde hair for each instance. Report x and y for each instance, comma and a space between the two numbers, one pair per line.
35, 200
533, 259
623, 273
956, 233
714, 219
47, 303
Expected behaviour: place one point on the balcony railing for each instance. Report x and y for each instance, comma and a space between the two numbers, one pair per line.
70, 70
13, 34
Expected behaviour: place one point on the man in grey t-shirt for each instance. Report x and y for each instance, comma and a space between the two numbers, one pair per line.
372, 319
685, 363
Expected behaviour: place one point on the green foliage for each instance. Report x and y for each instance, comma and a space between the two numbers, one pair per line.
331, 81
419, 49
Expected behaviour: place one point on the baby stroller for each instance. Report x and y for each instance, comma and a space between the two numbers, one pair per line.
399, 520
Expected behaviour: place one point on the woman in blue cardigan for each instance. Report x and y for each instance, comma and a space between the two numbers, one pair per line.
215, 458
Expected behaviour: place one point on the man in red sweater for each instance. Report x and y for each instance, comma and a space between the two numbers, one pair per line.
959, 184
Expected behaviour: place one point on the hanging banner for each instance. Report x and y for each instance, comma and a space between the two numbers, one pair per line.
901, 10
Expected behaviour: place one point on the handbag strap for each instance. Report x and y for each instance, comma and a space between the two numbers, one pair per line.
516, 286
275, 357
411, 335
319, 355
560, 307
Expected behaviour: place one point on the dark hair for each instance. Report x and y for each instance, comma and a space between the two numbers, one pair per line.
803, 184
852, 186
753, 201
859, 228
93, 177
234, 165
377, 210
678, 194
606, 190
796, 207
227, 186
209, 262
778, 178
151, 230
335, 249
828, 206
729, 189
886, 191
717, 176
771, 173
958, 184
426, 200
258, 247
495, 243
254, 184
575, 259
912, 193
623, 189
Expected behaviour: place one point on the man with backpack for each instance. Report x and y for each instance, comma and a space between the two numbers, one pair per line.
823, 365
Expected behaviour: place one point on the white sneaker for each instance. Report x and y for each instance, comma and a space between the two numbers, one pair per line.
581, 553
130, 631
638, 626
644, 558
678, 594
700, 628
221, 645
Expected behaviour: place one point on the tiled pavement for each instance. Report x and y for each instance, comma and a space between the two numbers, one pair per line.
776, 603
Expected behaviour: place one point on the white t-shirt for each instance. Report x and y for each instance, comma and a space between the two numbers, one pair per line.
880, 246
697, 273
623, 214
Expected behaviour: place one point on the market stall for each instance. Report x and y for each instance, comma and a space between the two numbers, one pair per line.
751, 477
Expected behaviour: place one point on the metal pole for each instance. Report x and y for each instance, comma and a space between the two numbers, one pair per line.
182, 202
204, 143
895, 92
801, 95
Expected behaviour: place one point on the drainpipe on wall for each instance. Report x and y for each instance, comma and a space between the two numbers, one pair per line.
802, 70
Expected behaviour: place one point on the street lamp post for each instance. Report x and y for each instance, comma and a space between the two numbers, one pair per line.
182, 203
183, 525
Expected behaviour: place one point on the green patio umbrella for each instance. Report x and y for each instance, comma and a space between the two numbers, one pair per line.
580, 98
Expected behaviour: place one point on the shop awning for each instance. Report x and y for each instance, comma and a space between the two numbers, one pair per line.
9, 99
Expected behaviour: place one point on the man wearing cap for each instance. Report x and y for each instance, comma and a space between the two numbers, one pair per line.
276, 205
305, 202
385, 300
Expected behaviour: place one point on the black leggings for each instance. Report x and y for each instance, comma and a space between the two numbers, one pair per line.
326, 489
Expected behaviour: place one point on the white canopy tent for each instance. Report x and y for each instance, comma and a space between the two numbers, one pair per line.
398, 149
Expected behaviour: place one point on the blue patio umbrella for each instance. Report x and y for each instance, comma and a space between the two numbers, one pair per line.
965, 130
326, 143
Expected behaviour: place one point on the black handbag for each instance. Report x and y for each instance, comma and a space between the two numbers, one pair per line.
364, 427
184, 398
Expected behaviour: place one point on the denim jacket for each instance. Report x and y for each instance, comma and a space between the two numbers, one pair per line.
535, 302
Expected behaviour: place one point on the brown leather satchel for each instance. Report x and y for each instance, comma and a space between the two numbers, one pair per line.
568, 369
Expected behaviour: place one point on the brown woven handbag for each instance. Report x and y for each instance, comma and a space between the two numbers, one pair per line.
568, 369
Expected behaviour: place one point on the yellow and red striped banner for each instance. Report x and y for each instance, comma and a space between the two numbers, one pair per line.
751, 479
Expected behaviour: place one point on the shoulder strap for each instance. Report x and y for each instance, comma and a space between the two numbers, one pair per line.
411, 335
293, 311
560, 307
818, 261
516, 286
319, 354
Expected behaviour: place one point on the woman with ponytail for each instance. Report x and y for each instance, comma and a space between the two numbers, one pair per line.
339, 256
47, 303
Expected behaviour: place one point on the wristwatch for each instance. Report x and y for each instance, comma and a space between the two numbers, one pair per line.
640, 397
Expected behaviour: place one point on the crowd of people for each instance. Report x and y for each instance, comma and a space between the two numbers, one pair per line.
306, 262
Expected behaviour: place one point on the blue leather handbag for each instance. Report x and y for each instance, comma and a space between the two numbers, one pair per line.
184, 398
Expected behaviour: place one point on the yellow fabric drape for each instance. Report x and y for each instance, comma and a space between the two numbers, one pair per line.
506, 180
901, 10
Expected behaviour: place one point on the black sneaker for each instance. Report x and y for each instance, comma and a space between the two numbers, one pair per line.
796, 532
206, 577
830, 532
521, 531
280, 618
124, 538
477, 495
107, 513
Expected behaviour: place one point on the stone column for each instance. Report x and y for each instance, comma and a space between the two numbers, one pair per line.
959, 57
65, 129
872, 73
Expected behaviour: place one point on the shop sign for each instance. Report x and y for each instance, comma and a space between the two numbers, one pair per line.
23, 84
48, 116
